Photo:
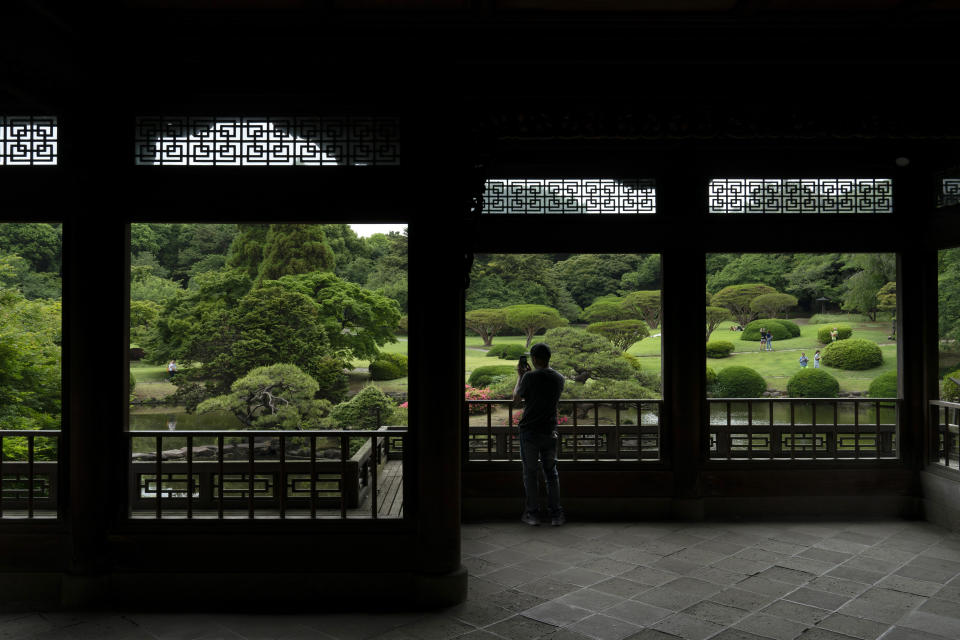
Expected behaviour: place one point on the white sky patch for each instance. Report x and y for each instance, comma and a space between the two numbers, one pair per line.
367, 230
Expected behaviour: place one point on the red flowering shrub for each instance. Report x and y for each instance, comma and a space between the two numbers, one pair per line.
473, 393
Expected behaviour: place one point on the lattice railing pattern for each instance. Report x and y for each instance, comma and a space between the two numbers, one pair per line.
267, 141
801, 195
574, 196
28, 140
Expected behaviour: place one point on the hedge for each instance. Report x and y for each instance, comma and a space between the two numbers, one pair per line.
711, 376
853, 354
951, 391
487, 375
740, 382
780, 331
883, 386
719, 349
792, 326
823, 333
388, 366
813, 383
608, 388
507, 351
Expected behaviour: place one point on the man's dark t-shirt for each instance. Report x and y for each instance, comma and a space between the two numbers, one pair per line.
540, 389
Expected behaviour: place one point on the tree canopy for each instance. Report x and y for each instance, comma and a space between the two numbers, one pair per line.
580, 355
622, 333
716, 315
530, 318
486, 323
737, 299
643, 305
771, 304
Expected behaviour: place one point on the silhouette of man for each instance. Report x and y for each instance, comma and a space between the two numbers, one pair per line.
540, 389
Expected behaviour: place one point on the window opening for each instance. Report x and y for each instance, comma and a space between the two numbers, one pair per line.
268, 371
28, 140
801, 195
267, 141
945, 438
600, 315
573, 196
30, 369
802, 356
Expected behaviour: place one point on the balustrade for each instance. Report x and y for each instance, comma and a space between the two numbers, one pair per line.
945, 434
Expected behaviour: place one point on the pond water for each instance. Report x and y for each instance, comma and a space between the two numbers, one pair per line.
177, 419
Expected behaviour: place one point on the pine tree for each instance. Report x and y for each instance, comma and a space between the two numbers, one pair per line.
246, 250
293, 249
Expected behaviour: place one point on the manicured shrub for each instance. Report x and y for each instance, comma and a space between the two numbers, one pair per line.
852, 354
133, 382
719, 349
649, 378
813, 383
607, 388
823, 333
512, 351
780, 331
740, 382
884, 386
833, 318
403, 326
487, 375
503, 388
362, 410
951, 390
791, 326
711, 377
496, 350
388, 366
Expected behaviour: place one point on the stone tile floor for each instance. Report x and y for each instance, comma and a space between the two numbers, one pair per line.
894, 580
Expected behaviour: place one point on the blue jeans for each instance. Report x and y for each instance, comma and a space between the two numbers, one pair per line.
769, 344
542, 448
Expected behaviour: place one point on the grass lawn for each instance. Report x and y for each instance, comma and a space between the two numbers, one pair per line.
400, 346
143, 372
779, 365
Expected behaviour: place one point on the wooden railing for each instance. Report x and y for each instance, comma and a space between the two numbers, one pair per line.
595, 430
945, 434
783, 429
264, 474
28, 487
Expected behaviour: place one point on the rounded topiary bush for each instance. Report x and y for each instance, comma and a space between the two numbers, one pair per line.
740, 382
711, 377
496, 351
852, 354
884, 386
719, 349
512, 351
813, 383
780, 331
791, 326
950, 390
388, 366
843, 330
487, 375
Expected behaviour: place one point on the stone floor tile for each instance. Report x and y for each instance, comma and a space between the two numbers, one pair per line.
509, 576
778, 546
568, 556
435, 627
817, 598
565, 634
771, 626
689, 627
858, 537
651, 634
840, 586
580, 577
949, 592
938, 625
718, 576
854, 627
674, 565
872, 564
741, 565
638, 613
796, 612
267, 627
479, 567
816, 633
607, 566
521, 628
737, 634
649, 576
591, 599
742, 599
845, 546
941, 607
557, 613
795, 537
857, 575
547, 588
479, 613
176, 626
476, 547
903, 633
668, 598
719, 547
697, 555
717, 613
825, 555
885, 552
785, 574
539, 567
634, 556
662, 547
506, 557
920, 572
536, 548
694, 587
620, 587
910, 585
760, 555
479, 634
602, 627
514, 600
882, 605
806, 565
766, 586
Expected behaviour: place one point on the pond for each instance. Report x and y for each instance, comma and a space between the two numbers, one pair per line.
177, 419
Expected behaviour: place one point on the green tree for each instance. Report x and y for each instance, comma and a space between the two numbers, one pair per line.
588, 276
645, 277
643, 305
486, 323
745, 268
580, 355
368, 410
278, 396
948, 295
605, 309
770, 304
36, 242
716, 315
530, 318
622, 333
143, 317
871, 272
815, 275
292, 249
502, 280
887, 301
737, 299
388, 267
246, 248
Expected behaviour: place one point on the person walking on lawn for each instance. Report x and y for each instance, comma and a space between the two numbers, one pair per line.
540, 388
803, 360
763, 339
769, 341
816, 359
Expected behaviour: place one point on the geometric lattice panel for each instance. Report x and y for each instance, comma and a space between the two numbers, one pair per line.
948, 187
573, 196
28, 140
267, 141
801, 195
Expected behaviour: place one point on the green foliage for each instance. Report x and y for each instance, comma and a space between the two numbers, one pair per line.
643, 305
387, 274
950, 390
645, 277
133, 382
487, 375
834, 318
791, 326
740, 268
605, 309
146, 286
815, 275
530, 318
740, 382
506, 351
294, 249
403, 326
588, 276
884, 386
36, 242
361, 411
143, 317
719, 349
852, 354
948, 294
715, 315
844, 331
486, 323
772, 304
622, 333
388, 366
246, 249
737, 299
608, 389
579, 355
813, 383
279, 396
871, 272
502, 280
711, 377
646, 377
776, 328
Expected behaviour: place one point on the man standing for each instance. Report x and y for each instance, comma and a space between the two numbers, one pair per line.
540, 389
